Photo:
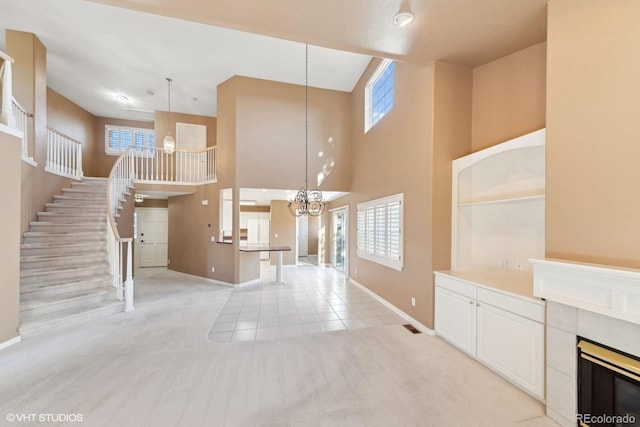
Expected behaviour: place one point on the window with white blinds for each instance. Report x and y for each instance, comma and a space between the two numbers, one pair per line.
379, 234
118, 139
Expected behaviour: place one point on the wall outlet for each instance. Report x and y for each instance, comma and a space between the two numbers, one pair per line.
413, 301
205, 203
213, 238
355, 271
213, 269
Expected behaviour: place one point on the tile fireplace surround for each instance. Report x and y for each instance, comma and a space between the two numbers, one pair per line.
597, 302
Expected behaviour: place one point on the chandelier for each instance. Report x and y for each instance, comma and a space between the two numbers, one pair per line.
169, 144
307, 202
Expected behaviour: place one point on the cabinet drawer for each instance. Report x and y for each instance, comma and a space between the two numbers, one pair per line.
455, 285
527, 309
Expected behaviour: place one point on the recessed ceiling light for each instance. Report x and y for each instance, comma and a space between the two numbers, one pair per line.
150, 92
403, 18
123, 99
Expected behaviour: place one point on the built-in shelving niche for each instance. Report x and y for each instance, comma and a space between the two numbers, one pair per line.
499, 207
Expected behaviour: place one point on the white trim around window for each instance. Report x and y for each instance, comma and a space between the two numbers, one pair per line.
379, 231
378, 94
118, 139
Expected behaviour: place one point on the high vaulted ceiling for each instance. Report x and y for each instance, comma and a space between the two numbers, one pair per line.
464, 32
97, 51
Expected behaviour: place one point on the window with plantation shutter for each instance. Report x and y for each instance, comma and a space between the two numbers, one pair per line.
379, 234
118, 139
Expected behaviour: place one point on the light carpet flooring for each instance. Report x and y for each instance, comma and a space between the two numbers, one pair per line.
158, 367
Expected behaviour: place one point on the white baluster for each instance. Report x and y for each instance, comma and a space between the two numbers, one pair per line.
129, 283
79, 157
6, 112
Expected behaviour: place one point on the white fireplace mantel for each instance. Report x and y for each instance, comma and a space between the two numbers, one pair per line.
607, 290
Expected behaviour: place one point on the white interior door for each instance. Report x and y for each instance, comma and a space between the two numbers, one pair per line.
153, 236
190, 167
303, 236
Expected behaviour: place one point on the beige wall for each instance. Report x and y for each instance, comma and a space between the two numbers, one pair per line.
509, 97
226, 256
162, 125
10, 194
30, 89
191, 226
395, 156
73, 121
103, 162
440, 113
283, 231
593, 132
452, 125
270, 138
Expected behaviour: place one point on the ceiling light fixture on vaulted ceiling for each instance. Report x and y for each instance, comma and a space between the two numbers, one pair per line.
169, 144
404, 16
123, 99
402, 19
307, 202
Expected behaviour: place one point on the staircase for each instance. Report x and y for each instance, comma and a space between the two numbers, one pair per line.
64, 277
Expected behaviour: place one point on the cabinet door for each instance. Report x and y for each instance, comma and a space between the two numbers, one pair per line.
456, 319
513, 346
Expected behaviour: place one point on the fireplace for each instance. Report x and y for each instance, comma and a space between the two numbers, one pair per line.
608, 386
590, 304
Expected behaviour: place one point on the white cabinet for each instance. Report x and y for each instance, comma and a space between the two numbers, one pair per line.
485, 304
513, 346
502, 330
455, 317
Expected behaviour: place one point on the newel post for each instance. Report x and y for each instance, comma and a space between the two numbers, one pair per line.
128, 284
6, 114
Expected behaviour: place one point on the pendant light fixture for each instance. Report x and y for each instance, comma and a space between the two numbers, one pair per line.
307, 202
169, 144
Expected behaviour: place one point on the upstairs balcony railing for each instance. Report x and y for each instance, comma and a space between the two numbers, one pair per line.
12, 114
147, 165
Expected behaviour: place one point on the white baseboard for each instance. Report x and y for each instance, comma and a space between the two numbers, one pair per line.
10, 342
418, 325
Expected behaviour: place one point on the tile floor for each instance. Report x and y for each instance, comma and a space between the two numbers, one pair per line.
313, 300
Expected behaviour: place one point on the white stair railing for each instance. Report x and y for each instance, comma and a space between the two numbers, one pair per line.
6, 109
22, 122
118, 186
64, 155
147, 165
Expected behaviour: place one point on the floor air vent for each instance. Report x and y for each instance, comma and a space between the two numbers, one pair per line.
412, 329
